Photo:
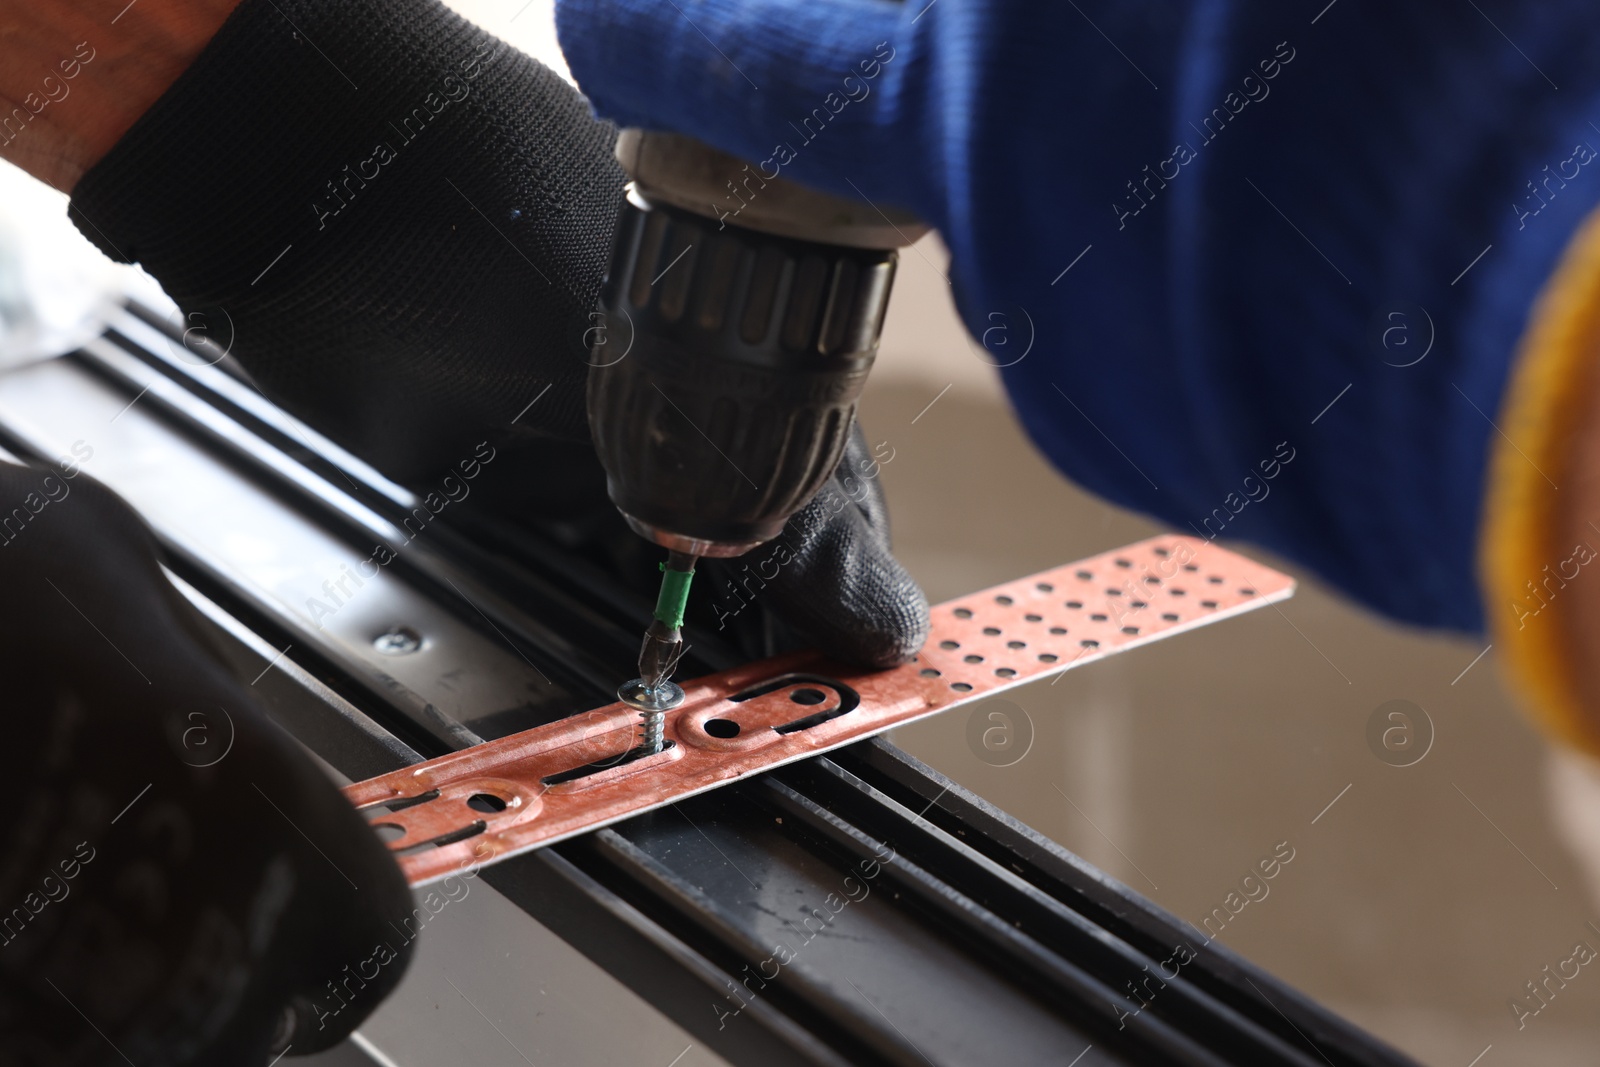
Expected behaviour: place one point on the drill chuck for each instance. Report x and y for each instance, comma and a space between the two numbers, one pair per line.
746, 353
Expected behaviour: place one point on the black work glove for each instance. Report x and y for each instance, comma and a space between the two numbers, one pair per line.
174, 871
876, 616
398, 224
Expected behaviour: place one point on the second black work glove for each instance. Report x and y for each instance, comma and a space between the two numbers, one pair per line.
398, 224
830, 575
179, 883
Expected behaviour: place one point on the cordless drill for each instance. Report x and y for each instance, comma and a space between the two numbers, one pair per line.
740, 316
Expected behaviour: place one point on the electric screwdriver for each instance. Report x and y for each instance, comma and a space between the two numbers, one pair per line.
740, 315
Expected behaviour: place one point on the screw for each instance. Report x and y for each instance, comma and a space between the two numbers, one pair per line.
652, 702
398, 641
651, 730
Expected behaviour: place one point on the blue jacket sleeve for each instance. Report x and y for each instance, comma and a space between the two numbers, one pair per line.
1260, 270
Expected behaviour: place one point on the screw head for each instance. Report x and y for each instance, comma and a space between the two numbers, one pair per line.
397, 641
662, 698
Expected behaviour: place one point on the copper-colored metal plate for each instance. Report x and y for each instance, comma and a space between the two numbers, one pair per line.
508, 796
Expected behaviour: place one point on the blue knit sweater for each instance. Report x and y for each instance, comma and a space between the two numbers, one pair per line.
1258, 270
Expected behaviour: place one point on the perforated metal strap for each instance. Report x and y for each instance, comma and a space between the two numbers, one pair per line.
484, 804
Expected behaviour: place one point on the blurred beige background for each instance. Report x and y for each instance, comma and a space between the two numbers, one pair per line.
1417, 904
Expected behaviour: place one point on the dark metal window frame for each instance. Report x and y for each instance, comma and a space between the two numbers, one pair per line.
1040, 949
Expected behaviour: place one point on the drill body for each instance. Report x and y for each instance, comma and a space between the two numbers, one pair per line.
733, 353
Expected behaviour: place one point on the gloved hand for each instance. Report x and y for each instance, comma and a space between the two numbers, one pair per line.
838, 545
398, 224
174, 872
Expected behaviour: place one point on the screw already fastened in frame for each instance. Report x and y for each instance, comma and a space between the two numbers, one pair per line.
397, 641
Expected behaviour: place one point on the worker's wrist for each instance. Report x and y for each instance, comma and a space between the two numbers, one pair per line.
75, 76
